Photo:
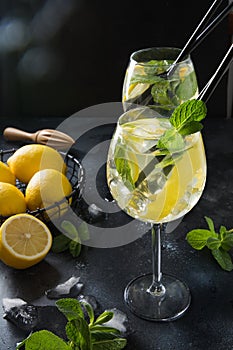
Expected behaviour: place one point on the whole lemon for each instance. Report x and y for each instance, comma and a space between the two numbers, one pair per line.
29, 159
6, 175
12, 200
46, 188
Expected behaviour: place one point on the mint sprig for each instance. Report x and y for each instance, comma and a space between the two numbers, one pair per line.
72, 238
81, 334
185, 121
218, 243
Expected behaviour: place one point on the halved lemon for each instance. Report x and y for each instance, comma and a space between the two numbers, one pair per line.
24, 241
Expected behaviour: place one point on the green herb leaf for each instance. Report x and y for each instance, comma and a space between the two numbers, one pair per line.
123, 167
78, 333
71, 230
75, 248
210, 223
227, 241
104, 329
213, 243
104, 317
83, 231
192, 110
71, 308
60, 243
223, 258
42, 340
190, 128
198, 238
172, 141
219, 244
90, 312
159, 92
187, 88
114, 344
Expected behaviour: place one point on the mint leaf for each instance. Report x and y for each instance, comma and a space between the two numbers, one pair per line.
42, 340
159, 92
78, 333
213, 243
71, 308
197, 238
104, 317
210, 223
70, 230
190, 128
219, 244
223, 258
114, 344
83, 231
75, 248
123, 166
192, 110
227, 241
171, 140
187, 88
60, 243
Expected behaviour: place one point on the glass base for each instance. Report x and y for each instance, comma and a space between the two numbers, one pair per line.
168, 307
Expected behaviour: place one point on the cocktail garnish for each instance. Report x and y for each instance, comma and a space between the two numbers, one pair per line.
219, 243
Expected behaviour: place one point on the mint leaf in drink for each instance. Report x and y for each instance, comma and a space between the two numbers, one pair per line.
219, 243
189, 111
187, 88
185, 121
172, 141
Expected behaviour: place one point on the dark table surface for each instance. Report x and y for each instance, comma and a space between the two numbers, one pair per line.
208, 322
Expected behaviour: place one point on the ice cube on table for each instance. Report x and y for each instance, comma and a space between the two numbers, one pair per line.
119, 321
19, 312
71, 288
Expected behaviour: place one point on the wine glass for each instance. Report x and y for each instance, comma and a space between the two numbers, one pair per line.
156, 187
151, 79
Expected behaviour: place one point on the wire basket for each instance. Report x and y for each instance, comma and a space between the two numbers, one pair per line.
76, 176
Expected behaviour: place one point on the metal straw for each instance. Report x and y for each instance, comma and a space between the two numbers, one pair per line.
217, 76
197, 37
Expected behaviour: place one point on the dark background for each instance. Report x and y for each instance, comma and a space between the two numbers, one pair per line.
60, 56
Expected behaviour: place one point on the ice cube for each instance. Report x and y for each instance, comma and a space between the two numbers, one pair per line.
95, 213
19, 312
119, 321
89, 299
71, 288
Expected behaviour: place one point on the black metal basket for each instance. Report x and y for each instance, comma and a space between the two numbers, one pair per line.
76, 176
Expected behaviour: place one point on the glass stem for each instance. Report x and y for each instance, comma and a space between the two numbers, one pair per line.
156, 287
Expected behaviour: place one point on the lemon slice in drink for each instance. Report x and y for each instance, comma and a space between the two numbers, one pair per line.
135, 90
24, 241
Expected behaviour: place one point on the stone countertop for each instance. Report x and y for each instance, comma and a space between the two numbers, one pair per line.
105, 272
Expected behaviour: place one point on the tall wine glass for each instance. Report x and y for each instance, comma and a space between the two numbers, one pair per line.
147, 82
155, 187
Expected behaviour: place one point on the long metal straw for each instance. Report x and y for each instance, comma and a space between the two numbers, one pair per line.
189, 46
206, 92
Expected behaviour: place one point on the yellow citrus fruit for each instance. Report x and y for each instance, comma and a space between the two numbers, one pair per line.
29, 159
12, 200
5, 174
24, 241
47, 187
